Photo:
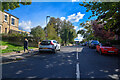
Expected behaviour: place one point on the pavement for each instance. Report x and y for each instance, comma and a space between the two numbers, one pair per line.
71, 63
13, 56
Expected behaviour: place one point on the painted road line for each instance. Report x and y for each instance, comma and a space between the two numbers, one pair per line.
77, 72
77, 67
77, 54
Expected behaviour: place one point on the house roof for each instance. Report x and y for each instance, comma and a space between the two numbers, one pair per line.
11, 15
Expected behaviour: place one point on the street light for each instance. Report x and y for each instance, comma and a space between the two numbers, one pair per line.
46, 26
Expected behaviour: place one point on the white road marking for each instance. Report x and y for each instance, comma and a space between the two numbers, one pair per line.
77, 67
77, 72
77, 54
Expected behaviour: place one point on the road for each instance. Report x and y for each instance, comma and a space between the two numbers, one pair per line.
76, 63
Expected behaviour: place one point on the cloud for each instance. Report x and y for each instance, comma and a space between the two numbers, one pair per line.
75, 18
75, 0
75, 27
25, 25
62, 18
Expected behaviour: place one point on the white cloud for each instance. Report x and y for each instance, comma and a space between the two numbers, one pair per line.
75, 0
25, 25
75, 18
75, 27
62, 18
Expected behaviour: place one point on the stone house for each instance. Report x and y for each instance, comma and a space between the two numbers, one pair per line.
9, 23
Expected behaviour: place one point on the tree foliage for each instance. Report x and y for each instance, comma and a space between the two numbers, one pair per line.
62, 31
108, 12
67, 32
38, 32
51, 33
13, 4
87, 32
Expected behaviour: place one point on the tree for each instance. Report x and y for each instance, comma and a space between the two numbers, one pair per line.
100, 32
67, 32
107, 12
12, 5
52, 35
38, 33
87, 32
56, 24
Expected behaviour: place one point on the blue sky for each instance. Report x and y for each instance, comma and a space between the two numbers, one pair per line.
35, 14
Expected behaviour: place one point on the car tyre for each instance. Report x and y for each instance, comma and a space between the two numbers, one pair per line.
54, 51
39, 51
96, 50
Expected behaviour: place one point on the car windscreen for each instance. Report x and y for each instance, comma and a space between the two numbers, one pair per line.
105, 44
45, 42
95, 42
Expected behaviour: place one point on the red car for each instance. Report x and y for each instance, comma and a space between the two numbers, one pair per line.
106, 49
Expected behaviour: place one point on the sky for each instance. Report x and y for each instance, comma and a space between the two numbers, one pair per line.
35, 14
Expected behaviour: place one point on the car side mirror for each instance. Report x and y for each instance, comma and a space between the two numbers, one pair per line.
99, 44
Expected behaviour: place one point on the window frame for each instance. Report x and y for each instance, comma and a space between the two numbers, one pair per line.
5, 17
0, 29
12, 21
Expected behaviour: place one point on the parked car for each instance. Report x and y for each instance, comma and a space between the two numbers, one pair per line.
86, 43
49, 45
106, 49
83, 44
93, 43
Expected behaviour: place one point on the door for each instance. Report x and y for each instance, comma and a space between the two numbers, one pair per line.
5, 30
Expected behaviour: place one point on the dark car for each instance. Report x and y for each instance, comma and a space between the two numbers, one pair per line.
93, 44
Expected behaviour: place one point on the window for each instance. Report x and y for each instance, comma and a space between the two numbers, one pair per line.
13, 21
54, 41
5, 17
5, 30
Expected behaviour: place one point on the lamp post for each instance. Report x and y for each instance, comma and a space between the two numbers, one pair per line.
46, 26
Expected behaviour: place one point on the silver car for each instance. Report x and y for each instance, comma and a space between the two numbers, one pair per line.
49, 45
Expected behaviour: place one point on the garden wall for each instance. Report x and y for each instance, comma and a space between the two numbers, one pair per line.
32, 42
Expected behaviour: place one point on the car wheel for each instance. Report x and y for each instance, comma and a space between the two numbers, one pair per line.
59, 50
39, 51
101, 52
96, 50
54, 51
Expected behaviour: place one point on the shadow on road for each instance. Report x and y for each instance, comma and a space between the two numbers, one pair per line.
43, 65
96, 66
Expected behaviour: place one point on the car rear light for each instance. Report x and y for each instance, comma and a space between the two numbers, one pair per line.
39, 43
51, 43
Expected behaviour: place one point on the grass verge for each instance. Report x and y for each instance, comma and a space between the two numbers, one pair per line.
12, 47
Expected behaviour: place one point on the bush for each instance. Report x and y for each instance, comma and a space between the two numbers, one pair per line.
113, 42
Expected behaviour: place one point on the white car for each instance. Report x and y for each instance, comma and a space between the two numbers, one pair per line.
49, 45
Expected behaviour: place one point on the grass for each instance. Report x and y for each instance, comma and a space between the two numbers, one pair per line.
12, 47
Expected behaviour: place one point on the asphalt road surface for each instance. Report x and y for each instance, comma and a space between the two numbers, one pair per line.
76, 63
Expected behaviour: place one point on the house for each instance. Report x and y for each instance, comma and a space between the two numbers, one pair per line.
9, 23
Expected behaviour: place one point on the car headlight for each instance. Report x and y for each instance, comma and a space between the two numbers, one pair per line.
104, 48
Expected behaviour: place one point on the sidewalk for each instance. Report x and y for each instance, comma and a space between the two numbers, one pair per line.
13, 56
